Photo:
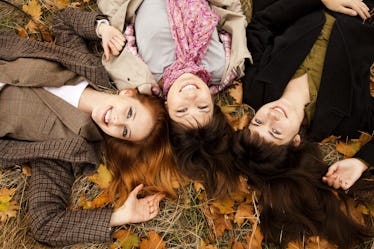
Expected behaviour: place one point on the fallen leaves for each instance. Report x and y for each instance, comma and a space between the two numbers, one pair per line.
8, 207
102, 177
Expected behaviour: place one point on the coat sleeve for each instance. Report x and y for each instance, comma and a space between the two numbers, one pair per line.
51, 221
366, 154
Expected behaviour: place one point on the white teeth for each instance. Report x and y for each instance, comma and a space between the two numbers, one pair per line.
107, 116
189, 87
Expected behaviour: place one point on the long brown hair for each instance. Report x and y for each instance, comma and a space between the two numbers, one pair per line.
149, 161
294, 200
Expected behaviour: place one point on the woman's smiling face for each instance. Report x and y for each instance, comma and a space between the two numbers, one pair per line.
123, 116
189, 101
277, 122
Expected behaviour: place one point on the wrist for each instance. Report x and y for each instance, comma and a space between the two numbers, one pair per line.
100, 26
118, 218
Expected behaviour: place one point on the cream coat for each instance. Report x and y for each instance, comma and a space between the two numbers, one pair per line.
127, 70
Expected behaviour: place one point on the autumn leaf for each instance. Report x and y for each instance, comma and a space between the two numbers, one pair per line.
244, 211
102, 177
57, 4
206, 245
125, 239
154, 242
100, 201
331, 139
221, 224
254, 240
26, 170
34, 9
8, 207
311, 243
348, 150
237, 245
224, 205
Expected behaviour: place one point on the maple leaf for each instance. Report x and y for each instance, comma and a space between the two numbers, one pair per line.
154, 242
125, 239
34, 9
8, 207
102, 177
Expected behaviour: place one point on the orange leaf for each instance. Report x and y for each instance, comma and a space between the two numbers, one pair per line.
154, 242
220, 225
224, 206
102, 177
33, 8
254, 240
98, 202
205, 245
125, 239
244, 211
330, 139
365, 138
8, 207
348, 150
238, 245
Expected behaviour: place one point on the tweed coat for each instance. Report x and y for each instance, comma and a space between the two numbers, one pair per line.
279, 43
55, 162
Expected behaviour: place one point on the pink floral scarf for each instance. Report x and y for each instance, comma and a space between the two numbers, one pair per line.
192, 23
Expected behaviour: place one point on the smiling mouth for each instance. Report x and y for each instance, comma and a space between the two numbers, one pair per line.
281, 110
106, 116
187, 86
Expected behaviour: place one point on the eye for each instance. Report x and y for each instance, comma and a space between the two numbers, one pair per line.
129, 114
257, 121
276, 132
202, 107
182, 110
124, 132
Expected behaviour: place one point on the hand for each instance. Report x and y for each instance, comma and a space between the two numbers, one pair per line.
136, 210
343, 174
113, 40
348, 7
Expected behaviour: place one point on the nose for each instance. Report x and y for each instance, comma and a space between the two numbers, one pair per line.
274, 115
118, 120
190, 94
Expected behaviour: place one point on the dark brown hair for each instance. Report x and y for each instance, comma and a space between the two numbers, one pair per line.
149, 161
294, 200
204, 154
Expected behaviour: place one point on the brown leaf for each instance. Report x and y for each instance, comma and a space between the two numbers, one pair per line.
244, 211
224, 206
33, 8
154, 242
26, 170
125, 239
221, 224
365, 138
56, 4
8, 207
237, 245
102, 177
206, 245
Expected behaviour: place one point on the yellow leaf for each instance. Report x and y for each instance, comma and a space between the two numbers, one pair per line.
8, 207
365, 138
102, 177
154, 242
33, 8
57, 4
125, 239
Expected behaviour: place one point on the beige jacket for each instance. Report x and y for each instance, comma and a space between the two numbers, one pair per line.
128, 70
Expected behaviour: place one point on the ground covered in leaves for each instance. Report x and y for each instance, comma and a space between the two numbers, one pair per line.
189, 222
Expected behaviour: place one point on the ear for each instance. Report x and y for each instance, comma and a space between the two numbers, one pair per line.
166, 104
296, 140
131, 92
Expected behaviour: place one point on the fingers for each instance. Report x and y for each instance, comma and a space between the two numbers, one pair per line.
354, 7
137, 189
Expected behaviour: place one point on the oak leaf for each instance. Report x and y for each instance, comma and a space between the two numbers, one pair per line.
154, 242
125, 239
8, 207
34, 9
102, 177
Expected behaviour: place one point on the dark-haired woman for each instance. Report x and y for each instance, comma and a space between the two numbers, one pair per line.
311, 68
